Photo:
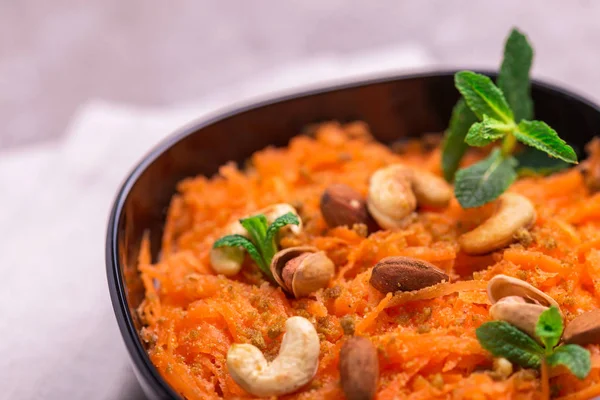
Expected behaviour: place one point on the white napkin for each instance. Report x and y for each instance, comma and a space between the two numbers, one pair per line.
59, 338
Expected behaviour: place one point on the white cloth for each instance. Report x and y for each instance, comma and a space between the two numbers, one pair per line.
59, 338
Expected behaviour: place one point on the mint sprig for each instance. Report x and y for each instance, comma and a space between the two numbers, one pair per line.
549, 329
262, 245
485, 181
505, 340
488, 113
513, 80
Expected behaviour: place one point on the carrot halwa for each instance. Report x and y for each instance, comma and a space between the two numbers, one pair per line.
425, 339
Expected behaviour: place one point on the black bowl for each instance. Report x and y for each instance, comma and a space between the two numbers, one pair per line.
394, 107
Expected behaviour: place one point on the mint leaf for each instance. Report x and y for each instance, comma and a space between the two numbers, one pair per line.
549, 327
504, 340
483, 97
539, 135
454, 146
485, 181
534, 162
513, 78
487, 131
280, 222
241, 241
574, 357
256, 226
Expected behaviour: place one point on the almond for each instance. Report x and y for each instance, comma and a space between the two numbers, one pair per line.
405, 274
584, 329
343, 206
359, 369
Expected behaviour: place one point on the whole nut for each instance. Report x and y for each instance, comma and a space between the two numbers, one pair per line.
359, 369
343, 206
584, 329
290, 268
517, 302
295, 365
395, 192
302, 270
513, 213
405, 274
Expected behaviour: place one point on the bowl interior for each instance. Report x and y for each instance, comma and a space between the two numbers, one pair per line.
393, 107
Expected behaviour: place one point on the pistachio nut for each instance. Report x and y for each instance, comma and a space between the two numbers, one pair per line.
517, 302
302, 270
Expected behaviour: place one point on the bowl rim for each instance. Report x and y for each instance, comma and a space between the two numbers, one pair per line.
142, 363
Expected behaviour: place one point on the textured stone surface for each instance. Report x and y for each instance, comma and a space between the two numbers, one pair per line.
56, 54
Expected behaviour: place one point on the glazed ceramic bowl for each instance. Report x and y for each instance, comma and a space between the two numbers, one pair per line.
394, 107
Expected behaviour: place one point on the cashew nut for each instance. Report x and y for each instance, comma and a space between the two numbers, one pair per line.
513, 213
396, 190
228, 260
293, 368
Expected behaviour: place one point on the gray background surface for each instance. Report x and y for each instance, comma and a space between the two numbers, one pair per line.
56, 54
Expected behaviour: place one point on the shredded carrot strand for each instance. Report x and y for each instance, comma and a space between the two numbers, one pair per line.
545, 382
585, 394
439, 290
369, 319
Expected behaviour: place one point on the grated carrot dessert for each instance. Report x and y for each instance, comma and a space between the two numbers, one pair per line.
425, 339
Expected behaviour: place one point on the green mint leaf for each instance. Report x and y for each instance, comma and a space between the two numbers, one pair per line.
504, 340
256, 226
454, 146
280, 222
241, 241
483, 97
513, 78
487, 131
485, 181
539, 135
549, 327
574, 357
534, 162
